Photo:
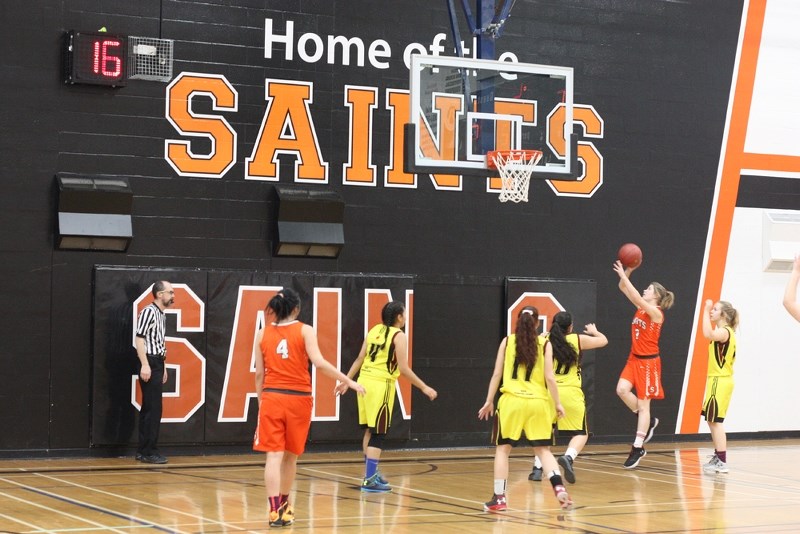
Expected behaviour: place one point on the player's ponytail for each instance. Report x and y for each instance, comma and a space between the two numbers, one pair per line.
563, 352
283, 304
390, 312
389, 315
729, 313
665, 297
527, 336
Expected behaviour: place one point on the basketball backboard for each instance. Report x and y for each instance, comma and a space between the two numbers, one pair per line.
463, 107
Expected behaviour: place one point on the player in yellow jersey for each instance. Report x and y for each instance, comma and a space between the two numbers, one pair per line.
568, 350
719, 322
529, 393
382, 359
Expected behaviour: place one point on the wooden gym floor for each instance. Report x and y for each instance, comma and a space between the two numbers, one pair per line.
434, 491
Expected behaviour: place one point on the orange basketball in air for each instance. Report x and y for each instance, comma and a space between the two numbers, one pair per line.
630, 255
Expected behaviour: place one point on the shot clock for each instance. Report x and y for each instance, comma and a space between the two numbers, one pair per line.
96, 59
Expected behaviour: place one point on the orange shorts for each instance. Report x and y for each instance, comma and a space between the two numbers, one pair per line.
644, 372
283, 422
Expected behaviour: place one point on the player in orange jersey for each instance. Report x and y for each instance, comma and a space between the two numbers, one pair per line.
282, 352
642, 371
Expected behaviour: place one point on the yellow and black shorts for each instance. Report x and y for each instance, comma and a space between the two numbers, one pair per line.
375, 408
719, 390
574, 403
515, 415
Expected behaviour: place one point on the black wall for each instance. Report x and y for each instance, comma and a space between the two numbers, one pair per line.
657, 72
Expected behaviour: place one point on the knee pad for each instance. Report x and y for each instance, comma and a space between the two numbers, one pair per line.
376, 440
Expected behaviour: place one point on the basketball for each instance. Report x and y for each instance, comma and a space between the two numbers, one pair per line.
630, 255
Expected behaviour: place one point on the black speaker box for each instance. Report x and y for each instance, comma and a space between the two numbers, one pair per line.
94, 213
310, 222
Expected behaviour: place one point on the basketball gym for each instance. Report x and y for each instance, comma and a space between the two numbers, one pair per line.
468, 159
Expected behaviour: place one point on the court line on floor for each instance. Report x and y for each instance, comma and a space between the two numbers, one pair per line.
20, 521
666, 470
475, 506
591, 509
200, 519
61, 512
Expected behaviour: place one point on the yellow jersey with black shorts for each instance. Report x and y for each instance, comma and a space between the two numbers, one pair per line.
378, 375
719, 384
570, 392
525, 404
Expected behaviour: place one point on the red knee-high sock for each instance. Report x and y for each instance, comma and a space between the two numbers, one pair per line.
274, 503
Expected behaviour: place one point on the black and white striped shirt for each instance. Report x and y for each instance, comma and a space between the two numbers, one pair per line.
152, 326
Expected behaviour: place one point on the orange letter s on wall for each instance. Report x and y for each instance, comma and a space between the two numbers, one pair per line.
240, 368
180, 94
592, 178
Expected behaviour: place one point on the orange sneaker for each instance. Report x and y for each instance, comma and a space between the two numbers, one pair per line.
282, 517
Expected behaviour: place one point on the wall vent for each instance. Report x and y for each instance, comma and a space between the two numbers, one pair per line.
781, 240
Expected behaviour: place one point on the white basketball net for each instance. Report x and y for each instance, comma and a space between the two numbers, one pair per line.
515, 169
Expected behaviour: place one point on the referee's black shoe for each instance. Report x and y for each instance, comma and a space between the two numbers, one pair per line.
153, 459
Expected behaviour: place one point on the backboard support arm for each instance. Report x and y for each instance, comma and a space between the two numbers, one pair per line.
487, 11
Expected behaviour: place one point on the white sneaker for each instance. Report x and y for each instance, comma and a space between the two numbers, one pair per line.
715, 465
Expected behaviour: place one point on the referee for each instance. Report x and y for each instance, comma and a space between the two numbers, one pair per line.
152, 352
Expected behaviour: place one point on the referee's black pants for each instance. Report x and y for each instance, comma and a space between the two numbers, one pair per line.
150, 415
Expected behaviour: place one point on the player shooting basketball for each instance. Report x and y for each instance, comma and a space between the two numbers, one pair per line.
642, 371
